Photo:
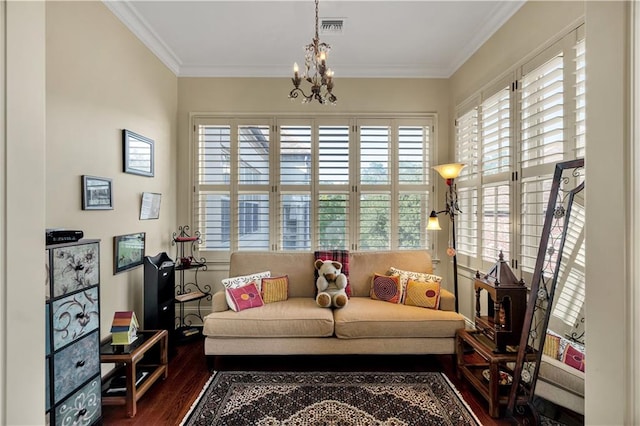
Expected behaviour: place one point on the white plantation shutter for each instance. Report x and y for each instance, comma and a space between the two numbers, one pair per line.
333, 200
496, 133
542, 114
466, 222
295, 187
495, 222
570, 298
467, 144
374, 154
413, 155
311, 183
580, 96
375, 224
253, 152
333, 155
535, 196
497, 149
212, 208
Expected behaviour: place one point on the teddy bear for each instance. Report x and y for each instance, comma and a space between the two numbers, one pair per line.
331, 284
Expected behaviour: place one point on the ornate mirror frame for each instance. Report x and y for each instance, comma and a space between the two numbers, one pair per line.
566, 189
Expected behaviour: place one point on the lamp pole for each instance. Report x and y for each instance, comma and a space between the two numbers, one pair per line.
452, 214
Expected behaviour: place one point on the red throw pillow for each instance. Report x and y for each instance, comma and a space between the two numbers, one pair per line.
245, 297
341, 256
573, 358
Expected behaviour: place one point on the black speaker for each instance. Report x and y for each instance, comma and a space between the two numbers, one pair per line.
159, 293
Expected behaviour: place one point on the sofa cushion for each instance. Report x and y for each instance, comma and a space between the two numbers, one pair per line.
296, 317
241, 281
561, 375
367, 318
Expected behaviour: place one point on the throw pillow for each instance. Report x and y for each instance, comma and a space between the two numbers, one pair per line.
237, 282
551, 345
386, 288
275, 289
573, 357
416, 276
423, 294
244, 297
341, 256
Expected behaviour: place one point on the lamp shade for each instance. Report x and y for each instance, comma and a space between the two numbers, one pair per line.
433, 224
449, 171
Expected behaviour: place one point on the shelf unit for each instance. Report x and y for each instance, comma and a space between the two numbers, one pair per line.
188, 289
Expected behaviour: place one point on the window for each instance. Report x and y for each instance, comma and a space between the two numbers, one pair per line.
306, 183
511, 135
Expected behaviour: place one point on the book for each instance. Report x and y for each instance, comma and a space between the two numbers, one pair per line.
119, 383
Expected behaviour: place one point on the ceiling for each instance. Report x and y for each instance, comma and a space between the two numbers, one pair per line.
393, 38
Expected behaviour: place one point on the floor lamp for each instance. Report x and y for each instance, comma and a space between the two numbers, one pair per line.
449, 172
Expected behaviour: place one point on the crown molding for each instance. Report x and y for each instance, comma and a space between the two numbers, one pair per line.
128, 15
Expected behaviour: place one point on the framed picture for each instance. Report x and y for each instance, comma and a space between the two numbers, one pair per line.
128, 251
138, 154
97, 193
150, 207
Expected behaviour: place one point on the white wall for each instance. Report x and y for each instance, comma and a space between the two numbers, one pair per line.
22, 217
102, 79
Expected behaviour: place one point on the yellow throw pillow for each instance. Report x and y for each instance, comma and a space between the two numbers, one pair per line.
275, 289
423, 294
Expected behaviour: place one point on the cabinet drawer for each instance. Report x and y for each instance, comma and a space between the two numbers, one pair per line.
74, 365
75, 316
74, 268
83, 407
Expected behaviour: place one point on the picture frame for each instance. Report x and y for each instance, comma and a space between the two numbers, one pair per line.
97, 193
128, 251
138, 153
150, 206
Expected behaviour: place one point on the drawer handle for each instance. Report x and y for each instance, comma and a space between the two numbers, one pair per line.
80, 315
164, 308
82, 412
80, 364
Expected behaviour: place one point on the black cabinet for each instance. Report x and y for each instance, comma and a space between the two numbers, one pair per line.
159, 293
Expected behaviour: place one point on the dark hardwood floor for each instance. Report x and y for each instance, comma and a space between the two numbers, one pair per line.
168, 401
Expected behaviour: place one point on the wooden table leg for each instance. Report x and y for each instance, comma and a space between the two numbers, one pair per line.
131, 389
459, 355
494, 403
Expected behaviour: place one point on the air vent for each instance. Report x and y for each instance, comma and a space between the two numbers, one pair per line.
331, 26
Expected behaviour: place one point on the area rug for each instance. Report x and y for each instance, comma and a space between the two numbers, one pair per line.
329, 399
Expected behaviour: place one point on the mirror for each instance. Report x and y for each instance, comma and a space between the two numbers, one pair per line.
138, 154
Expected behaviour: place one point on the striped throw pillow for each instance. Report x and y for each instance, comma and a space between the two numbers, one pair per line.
275, 289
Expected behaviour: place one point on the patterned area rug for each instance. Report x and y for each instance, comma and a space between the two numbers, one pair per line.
329, 399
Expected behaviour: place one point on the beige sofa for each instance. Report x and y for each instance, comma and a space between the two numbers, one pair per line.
299, 326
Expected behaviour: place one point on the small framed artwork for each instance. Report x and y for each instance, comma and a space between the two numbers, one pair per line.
97, 193
150, 207
128, 251
138, 153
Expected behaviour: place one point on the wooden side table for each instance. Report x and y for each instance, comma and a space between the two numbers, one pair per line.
132, 358
473, 367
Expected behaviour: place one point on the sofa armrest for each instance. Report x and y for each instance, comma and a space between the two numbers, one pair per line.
447, 300
219, 302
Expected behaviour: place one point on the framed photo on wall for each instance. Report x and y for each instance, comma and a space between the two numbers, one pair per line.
150, 207
97, 193
138, 153
128, 251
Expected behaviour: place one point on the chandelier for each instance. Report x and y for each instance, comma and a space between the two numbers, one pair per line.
315, 72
